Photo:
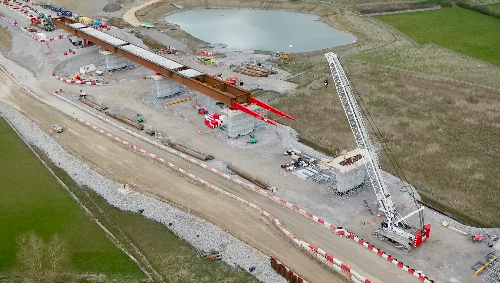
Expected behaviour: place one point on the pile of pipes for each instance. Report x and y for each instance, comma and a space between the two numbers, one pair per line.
125, 120
188, 150
86, 101
249, 177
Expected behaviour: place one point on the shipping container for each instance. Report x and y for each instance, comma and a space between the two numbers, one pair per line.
67, 13
55, 9
85, 20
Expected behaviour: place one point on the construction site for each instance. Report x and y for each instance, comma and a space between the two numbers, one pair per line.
196, 128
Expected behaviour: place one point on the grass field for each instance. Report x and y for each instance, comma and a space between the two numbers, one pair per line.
172, 258
156, 248
39, 204
458, 29
32, 200
442, 134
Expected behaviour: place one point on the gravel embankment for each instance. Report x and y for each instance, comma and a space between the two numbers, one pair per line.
198, 232
24, 49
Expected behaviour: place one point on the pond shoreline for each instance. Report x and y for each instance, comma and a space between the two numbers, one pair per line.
269, 30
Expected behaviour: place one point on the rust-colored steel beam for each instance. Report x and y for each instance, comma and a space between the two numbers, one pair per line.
206, 84
229, 94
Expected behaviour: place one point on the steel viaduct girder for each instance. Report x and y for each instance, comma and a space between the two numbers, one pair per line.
231, 95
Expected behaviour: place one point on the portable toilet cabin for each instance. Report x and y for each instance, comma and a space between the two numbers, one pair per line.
85, 20
55, 9
67, 13
46, 6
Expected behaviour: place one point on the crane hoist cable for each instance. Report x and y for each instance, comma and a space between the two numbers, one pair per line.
385, 148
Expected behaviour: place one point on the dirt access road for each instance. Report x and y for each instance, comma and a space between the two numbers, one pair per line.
156, 180
125, 166
130, 17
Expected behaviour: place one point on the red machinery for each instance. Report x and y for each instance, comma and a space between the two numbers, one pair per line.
394, 228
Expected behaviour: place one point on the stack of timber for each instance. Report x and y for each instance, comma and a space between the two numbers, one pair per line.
252, 71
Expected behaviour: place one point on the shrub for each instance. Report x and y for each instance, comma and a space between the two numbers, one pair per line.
396, 9
447, 3
479, 8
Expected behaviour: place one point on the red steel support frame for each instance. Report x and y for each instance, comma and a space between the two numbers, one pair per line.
231, 95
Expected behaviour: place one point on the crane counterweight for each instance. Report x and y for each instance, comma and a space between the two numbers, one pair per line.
394, 228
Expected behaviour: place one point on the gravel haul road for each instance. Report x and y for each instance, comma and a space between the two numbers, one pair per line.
151, 178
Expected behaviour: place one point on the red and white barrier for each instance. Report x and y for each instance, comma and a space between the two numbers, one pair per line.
287, 270
19, 10
75, 81
30, 34
56, 38
340, 267
338, 231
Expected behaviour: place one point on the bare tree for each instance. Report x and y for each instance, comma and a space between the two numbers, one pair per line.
30, 257
40, 262
57, 255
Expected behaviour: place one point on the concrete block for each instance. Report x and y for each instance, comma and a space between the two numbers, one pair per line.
239, 123
164, 87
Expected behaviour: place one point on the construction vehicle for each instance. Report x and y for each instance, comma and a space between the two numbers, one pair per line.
394, 228
57, 128
66, 13
482, 266
140, 119
85, 21
42, 21
479, 238
234, 81
253, 139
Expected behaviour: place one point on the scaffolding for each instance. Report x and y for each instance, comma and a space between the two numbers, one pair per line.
492, 272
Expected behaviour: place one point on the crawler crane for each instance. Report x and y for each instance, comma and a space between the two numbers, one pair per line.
394, 228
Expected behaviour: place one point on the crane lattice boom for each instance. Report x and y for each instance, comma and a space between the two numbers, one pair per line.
363, 141
389, 229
